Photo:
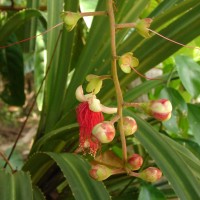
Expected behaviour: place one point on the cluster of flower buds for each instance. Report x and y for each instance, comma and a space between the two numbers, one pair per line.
101, 171
93, 129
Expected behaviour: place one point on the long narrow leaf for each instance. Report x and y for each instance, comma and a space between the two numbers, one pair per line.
74, 168
178, 164
15, 186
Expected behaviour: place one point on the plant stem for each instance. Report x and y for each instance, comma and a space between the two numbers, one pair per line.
131, 104
32, 106
97, 13
126, 25
115, 119
30, 38
104, 77
115, 77
134, 174
7, 161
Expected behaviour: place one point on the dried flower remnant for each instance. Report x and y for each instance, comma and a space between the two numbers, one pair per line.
142, 27
127, 61
95, 83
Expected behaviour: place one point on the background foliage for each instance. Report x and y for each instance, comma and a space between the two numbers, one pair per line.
51, 170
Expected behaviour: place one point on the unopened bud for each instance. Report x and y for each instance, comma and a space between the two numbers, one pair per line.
142, 26
127, 61
129, 125
160, 109
70, 19
150, 174
135, 162
104, 132
100, 172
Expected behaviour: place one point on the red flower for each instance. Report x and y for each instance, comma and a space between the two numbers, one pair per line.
87, 119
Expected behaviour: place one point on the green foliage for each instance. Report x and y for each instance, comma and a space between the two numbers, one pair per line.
11, 59
74, 169
173, 146
19, 183
12, 73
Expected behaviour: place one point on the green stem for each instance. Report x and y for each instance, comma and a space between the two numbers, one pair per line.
7, 161
104, 77
126, 25
132, 104
115, 77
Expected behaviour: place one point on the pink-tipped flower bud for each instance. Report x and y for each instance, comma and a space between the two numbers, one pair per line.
104, 132
100, 172
150, 174
127, 61
129, 125
70, 19
135, 162
160, 109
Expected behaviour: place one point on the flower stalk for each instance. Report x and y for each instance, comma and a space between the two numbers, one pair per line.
115, 77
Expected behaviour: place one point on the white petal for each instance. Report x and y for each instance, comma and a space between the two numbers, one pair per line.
108, 110
79, 94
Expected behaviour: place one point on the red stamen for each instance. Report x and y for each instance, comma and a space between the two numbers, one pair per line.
87, 119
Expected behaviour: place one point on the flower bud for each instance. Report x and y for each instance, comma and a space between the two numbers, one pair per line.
129, 125
126, 61
150, 174
142, 26
70, 19
135, 162
104, 132
100, 172
160, 109
95, 83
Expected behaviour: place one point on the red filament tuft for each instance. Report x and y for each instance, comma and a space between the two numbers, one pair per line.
87, 119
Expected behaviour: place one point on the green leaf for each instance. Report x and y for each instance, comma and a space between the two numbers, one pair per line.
194, 121
16, 20
177, 163
155, 50
63, 133
74, 168
37, 194
12, 72
149, 192
189, 72
15, 186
